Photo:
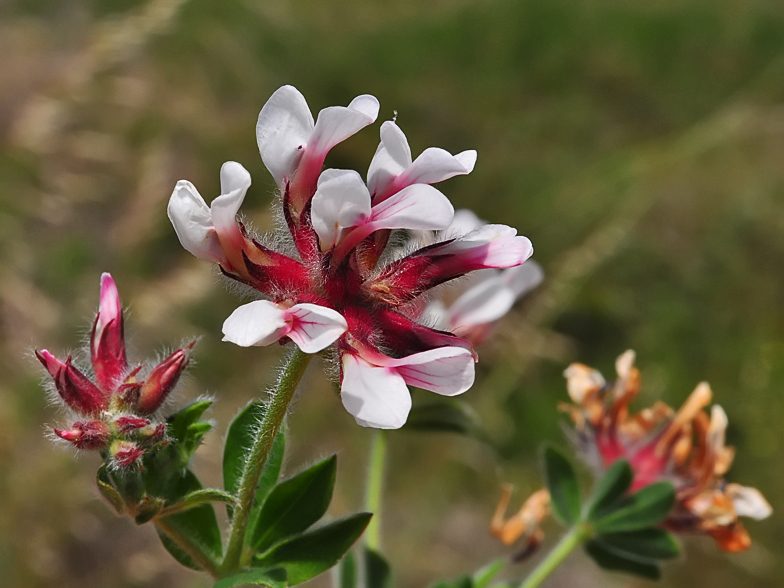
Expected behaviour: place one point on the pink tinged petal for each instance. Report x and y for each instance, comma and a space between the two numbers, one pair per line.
74, 388
436, 165
337, 123
162, 380
341, 201
492, 246
486, 302
446, 370
235, 181
192, 221
258, 323
376, 396
392, 158
523, 278
315, 327
416, 207
748, 502
282, 131
49, 361
107, 340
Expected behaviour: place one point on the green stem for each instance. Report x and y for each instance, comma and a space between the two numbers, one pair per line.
556, 557
375, 488
277, 407
205, 561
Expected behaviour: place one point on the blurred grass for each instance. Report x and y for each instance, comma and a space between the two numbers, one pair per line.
639, 145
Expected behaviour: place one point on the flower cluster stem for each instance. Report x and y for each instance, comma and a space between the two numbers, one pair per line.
556, 557
375, 488
205, 561
277, 407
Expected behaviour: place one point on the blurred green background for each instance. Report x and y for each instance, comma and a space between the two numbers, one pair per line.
640, 145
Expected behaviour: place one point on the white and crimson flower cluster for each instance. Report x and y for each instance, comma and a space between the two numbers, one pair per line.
115, 409
342, 282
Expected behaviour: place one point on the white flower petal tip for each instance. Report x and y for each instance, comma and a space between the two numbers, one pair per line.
257, 323
341, 201
416, 207
192, 221
749, 502
233, 177
448, 371
315, 327
375, 396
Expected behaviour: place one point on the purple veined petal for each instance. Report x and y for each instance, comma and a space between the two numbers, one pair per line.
416, 207
523, 278
235, 181
486, 302
341, 201
436, 165
260, 322
375, 396
192, 221
748, 502
315, 327
284, 128
447, 370
391, 159
337, 123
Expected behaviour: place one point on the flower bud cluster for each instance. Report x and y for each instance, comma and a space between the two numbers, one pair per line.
114, 409
344, 282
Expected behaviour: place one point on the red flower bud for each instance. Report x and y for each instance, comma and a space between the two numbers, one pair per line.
89, 435
126, 424
125, 454
162, 380
73, 386
107, 340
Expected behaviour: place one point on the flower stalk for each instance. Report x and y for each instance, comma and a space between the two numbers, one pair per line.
557, 556
270, 425
375, 489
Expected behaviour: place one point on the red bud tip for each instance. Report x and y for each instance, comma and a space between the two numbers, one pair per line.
161, 381
49, 361
77, 391
125, 454
107, 341
89, 435
126, 424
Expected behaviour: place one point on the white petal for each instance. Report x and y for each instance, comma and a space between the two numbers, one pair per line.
282, 131
483, 303
523, 278
392, 158
341, 201
235, 181
376, 396
446, 370
338, 123
416, 207
436, 165
315, 327
258, 323
464, 222
192, 222
748, 502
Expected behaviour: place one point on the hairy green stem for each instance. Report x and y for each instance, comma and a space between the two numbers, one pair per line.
375, 488
205, 561
277, 407
556, 557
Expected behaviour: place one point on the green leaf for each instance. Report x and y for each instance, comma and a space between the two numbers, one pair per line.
309, 554
199, 497
294, 505
199, 524
347, 571
485, 575
378, 573
445, 416
608, 489
643, 509
108, 491
187, 431
610, 561
273, 577
563, 487
648, 544
240, 437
